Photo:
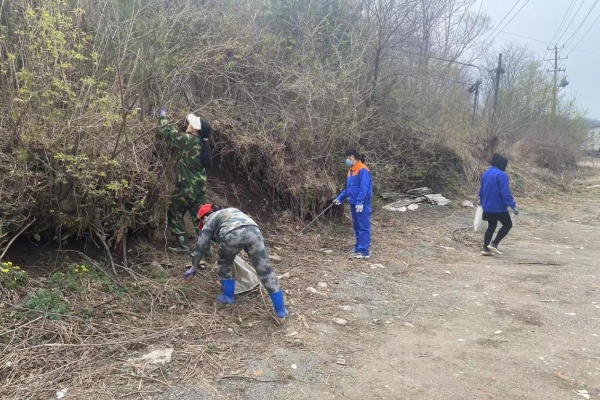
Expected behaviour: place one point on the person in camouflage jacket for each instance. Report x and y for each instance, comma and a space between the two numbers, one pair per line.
235, 231
190, 177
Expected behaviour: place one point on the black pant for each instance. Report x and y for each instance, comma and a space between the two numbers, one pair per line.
492, 219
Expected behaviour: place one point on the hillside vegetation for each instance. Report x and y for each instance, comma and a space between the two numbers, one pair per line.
287, 86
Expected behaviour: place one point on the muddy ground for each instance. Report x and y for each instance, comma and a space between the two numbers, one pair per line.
426, 318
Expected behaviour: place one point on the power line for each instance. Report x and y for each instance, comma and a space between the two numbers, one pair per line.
585, 34
563, 20
442, 59
570, 22
581, 24
510, 20
506, 16
549, 43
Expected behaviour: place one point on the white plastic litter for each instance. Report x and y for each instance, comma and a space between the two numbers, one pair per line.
478, 225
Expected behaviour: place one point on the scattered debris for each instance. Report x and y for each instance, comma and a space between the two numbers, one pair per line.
571, 314
340, 361
437, 199
418, 191
294, 366
462, 340
275, 257
409, 325
448, 272
564, 377
582, 393
322, 284
314, 291
413, 197
389, 196
156, 357
346, 308
340, 321
549, 301
286, 275
61, 393
401, 205
291, 334
497, 332
467, 204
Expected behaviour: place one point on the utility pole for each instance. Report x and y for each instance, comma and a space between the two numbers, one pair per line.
498, 71
474, 88
555, 70
493, 128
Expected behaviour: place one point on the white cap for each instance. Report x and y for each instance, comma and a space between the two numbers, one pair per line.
194, 122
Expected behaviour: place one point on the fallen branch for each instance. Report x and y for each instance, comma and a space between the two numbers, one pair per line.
15, 238
107, 249
294, 246
538, 263
251, 378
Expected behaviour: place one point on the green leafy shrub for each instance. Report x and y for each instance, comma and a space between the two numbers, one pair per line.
49, 303
71, 280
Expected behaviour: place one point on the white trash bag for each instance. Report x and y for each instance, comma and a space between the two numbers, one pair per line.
478, 225
245, 276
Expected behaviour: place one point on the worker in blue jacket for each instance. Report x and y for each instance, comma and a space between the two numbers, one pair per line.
359, 191
495, 198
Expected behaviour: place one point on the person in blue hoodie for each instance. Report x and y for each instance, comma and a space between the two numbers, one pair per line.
359, 192
495, 197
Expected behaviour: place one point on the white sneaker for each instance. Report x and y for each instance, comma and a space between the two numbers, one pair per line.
362, 257
494, 249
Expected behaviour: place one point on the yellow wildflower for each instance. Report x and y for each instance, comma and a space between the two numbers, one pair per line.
5, 270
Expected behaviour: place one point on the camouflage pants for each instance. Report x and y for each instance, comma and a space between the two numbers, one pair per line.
250, 239
180, 204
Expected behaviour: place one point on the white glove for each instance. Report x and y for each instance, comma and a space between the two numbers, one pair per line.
337, 202
359, 208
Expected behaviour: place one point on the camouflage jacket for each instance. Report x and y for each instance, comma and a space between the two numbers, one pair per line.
217, 225
190, 174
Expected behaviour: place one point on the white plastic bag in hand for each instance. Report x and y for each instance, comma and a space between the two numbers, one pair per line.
478, 220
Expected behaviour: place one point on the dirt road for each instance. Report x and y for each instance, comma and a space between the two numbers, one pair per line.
430, 318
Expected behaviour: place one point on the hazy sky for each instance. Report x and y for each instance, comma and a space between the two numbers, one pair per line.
536, 24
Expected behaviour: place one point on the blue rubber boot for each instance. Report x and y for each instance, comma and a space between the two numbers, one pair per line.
228, 291
277, 299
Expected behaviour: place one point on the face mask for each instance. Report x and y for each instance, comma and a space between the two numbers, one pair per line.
348, 162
